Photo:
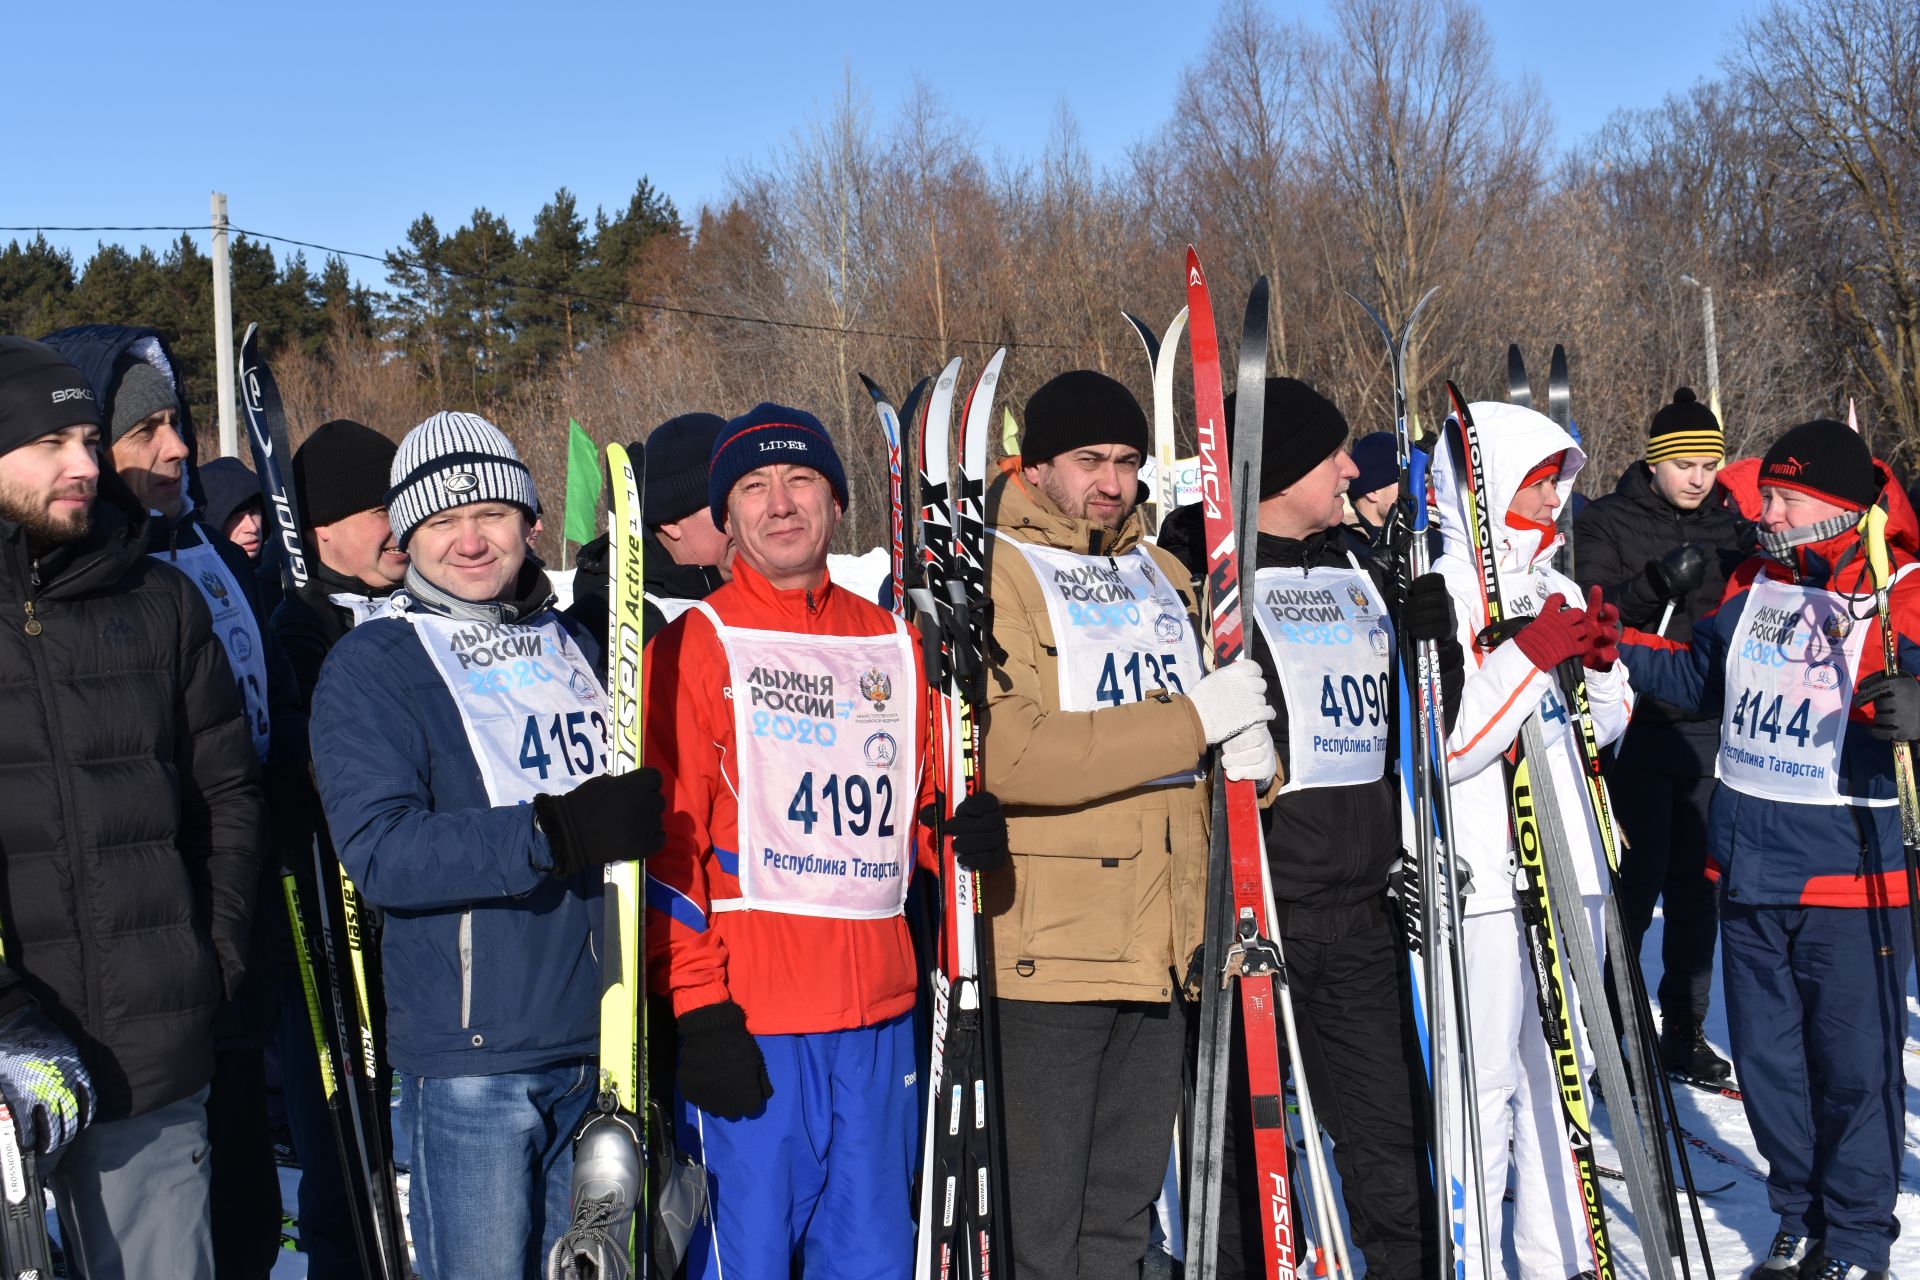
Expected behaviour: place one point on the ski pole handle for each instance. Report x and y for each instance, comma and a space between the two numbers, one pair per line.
1873, 530
1666, 616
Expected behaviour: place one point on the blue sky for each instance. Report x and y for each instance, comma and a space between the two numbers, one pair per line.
341, 122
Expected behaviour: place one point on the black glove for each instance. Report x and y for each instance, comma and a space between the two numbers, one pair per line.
1895, 699
1428, 612
978, 828
605, 819
721, 1069
1679, 573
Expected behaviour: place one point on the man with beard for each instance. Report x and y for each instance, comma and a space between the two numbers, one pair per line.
1099, 716
129, 817
149, 432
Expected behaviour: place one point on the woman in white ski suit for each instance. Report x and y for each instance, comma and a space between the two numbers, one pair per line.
1515, 1090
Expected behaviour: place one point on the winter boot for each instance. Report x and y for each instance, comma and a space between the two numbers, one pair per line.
1841, 1269
1784, 1258
1684, 1051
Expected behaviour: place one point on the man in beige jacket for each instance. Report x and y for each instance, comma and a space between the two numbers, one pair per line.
1100, 715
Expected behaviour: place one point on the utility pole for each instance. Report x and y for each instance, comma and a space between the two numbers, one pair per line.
223, 331
1713, 348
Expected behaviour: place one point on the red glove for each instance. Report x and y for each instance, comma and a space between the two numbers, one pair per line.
1604, 650
1559, 633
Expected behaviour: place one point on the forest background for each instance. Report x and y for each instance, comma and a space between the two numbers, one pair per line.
1384, 154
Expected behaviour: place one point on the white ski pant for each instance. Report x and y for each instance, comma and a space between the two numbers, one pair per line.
1519, 1106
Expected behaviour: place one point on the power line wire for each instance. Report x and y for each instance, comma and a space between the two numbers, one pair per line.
414, 262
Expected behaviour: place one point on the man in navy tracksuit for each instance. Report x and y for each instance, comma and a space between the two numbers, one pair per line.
460, 746
1806, 842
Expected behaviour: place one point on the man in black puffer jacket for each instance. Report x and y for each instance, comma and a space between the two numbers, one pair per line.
1669, 534
149, 447
130, 817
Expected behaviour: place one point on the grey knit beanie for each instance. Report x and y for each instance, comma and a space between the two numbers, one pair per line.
139, 392
451, 460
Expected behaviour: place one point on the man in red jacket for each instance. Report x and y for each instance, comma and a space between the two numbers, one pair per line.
789, 720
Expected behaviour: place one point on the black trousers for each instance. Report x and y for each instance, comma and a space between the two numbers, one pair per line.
1352, 1000
1664, 819
246, 1182
1090, 1093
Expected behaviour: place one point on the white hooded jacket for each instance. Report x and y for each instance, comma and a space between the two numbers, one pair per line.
1503, 687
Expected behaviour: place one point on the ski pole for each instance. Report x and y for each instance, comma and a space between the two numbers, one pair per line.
1874, 530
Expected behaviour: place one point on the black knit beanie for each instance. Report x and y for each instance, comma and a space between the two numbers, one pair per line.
1826, 459
1685, 429
341, 470
677, 454
1301, 430
40, 393
1078, 409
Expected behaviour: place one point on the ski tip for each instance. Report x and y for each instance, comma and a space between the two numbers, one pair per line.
873, 388
1195, 276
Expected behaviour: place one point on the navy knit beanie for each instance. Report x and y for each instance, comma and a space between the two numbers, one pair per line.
1377, 457
677, 452
766, 434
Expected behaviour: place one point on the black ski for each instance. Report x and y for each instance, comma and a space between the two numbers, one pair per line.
325, 907
1519, 390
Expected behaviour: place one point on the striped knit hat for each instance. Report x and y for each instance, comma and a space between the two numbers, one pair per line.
450, 460
1685, 429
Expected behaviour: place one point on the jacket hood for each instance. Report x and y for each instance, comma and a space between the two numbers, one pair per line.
95, 348
1013, 504
1513, 441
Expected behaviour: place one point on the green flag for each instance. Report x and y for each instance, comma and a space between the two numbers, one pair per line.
583, 484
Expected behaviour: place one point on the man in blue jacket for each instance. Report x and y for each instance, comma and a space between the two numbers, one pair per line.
1805, 842
460, 746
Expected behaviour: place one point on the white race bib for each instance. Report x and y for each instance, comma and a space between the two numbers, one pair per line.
827, 751
1790, 673
670, 607
535, 715
1119, 629
234, 627
1332, 644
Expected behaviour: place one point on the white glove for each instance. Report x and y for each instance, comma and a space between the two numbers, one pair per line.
1248, 756
1230, 699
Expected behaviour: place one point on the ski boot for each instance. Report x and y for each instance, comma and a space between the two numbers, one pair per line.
1841, 1269
1785, 1257
607, 1174
1685, 1052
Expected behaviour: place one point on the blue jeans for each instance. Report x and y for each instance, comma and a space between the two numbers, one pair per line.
492, 1168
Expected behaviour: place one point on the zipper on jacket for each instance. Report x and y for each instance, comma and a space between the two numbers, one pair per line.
466, 969
69, 809
32, 627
